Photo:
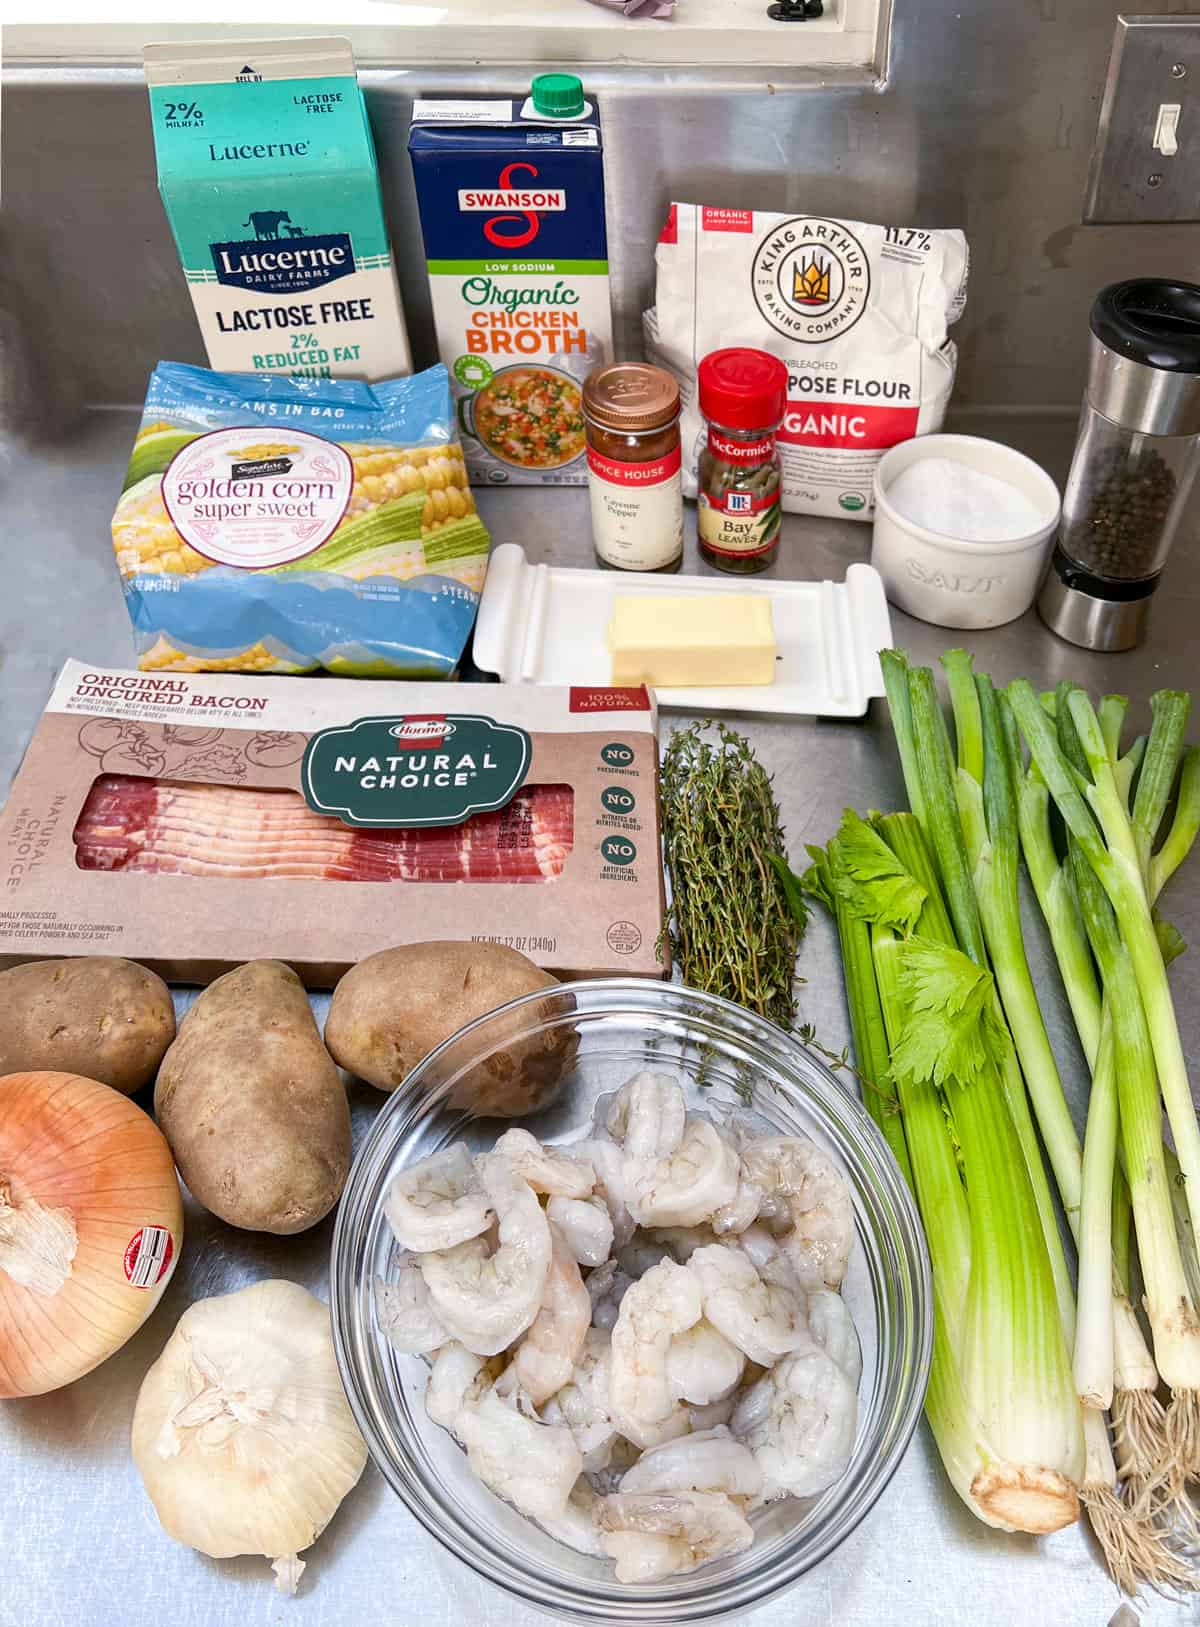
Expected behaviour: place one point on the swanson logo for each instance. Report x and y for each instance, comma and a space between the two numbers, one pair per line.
291, 263
401, 771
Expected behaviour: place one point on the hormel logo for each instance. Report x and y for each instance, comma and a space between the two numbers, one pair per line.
421, 731
552, 200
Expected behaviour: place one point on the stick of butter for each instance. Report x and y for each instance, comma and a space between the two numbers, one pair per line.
692, 640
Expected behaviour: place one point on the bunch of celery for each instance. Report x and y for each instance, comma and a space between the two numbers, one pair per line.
971, 816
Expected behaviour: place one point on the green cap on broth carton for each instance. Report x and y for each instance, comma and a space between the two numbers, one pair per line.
557, 96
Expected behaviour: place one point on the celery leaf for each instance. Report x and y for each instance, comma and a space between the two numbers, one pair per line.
951, 1031
869, 878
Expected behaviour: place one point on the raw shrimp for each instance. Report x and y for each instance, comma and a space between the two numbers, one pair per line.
712, 1461
488, 1300
715, 1414
607, 1160
681, 1242
742, 1209
607, 1480
438, 1202
532, 1465
806, 1204
546, 1356
406, 1312
457, 1379
831, 1326
799, 1421
582, 1403
665, 1302
546, 1169
655, 1534
646, 1118
641, 1254
576, 1526
587, 1226
607, 1286
764, 1321
702, 1365
688, 1185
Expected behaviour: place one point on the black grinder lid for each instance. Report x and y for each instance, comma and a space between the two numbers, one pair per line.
1151, 320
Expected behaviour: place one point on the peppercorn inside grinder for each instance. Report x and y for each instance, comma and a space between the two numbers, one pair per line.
1134, 464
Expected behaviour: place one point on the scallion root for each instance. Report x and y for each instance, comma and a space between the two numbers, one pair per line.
1135, 1551
1183, 1432
1139, 1437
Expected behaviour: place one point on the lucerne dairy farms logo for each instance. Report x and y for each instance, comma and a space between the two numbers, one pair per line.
810, 279
522, 205
403, 771
281, 257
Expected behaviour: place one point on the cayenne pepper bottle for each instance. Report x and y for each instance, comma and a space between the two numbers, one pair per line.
743, 397
631, 413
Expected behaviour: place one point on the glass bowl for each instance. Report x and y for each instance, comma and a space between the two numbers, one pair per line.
609, 1030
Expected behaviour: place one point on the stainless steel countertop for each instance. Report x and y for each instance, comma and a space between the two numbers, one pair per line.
79, 1539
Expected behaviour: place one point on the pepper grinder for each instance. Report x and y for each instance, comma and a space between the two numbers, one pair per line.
1134, 463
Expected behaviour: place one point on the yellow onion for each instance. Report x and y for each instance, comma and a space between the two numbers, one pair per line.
91, 1225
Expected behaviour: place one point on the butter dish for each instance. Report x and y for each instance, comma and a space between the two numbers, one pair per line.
548, 624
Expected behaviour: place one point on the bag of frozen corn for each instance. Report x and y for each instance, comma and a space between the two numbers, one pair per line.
270, 524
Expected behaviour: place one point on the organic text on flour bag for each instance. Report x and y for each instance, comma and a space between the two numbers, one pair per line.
857, 313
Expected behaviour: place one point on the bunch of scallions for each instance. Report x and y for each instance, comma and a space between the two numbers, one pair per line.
951, 1041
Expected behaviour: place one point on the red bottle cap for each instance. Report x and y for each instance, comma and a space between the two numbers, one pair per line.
742, 388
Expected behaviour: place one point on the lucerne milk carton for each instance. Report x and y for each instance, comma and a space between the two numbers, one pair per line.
267, 171
512, 212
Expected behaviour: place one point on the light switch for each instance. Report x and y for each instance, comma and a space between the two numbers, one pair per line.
1146, 160
1166, 126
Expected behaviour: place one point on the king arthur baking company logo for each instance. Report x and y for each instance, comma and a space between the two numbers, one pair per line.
810, 279
415, 770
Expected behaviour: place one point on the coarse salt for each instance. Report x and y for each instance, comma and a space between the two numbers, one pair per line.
963, 502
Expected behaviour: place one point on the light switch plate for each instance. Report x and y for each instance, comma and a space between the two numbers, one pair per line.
1155, 63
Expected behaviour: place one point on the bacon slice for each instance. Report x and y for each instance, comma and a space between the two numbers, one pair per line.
173, 827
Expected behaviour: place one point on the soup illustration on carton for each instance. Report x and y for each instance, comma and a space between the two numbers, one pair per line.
512, 212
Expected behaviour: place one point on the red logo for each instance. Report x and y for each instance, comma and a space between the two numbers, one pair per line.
609, 700
529, 223
726, 220
421, 731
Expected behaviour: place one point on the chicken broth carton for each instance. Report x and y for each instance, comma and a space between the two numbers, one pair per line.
267, 173
512, 212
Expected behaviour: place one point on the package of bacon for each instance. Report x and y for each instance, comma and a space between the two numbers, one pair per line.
196, 821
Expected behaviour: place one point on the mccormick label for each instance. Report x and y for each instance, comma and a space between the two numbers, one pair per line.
637, 510
267, 173
512, 214
738, 522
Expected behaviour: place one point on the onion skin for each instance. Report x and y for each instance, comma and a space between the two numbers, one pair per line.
72, 1144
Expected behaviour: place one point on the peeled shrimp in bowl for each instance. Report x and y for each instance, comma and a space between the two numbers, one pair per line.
636, 1338
651, 1061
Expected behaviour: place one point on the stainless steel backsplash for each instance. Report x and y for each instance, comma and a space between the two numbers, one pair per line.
986, 123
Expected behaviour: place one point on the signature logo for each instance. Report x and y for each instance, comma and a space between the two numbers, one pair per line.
523, 206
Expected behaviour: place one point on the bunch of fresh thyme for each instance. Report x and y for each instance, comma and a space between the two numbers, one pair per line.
736, 915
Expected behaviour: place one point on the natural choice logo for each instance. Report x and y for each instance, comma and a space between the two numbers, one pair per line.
402, 771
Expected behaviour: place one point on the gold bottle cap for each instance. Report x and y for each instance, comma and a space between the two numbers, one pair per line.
629, 397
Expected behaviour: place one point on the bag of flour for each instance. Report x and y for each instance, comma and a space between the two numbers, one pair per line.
857, 313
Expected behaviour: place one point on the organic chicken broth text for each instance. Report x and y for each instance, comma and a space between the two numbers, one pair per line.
512, 212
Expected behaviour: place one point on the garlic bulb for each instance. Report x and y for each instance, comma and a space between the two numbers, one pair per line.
91, 1225
242, 1433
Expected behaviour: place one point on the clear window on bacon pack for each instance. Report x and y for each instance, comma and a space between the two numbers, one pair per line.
180, 828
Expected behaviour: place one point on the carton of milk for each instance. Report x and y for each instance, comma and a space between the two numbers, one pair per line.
512, 212
267, 173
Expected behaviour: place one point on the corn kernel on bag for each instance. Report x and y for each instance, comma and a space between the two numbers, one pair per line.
270, 524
